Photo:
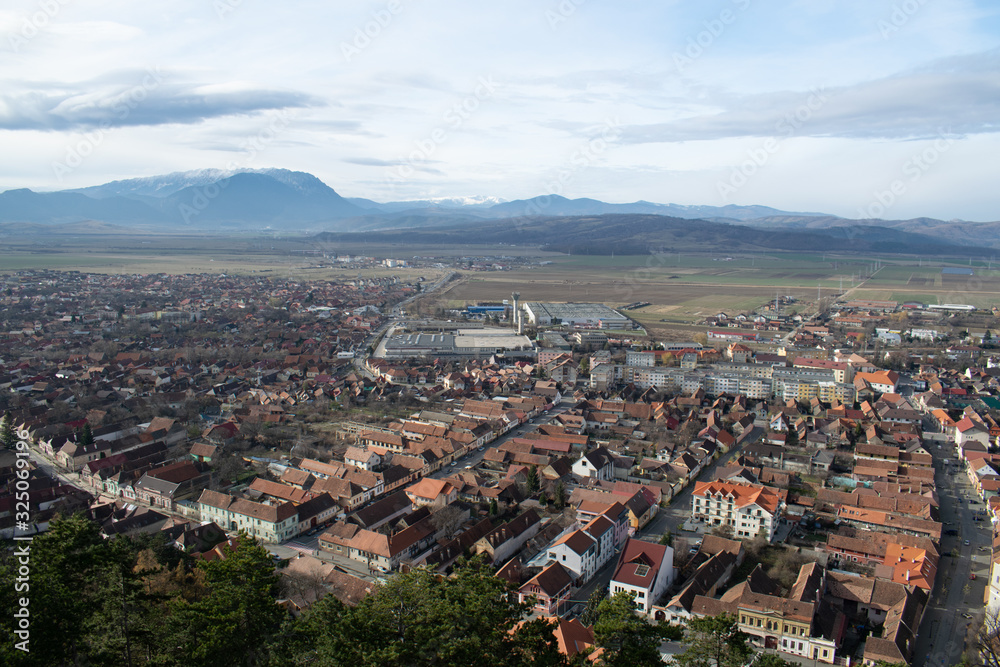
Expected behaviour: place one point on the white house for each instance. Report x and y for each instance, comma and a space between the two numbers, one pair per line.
598, 464
586, 550
646, 570
967, 430
270, 523
748, 509
578, 553
362, 457
993, 602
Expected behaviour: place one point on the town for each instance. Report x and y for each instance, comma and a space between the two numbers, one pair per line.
829, 480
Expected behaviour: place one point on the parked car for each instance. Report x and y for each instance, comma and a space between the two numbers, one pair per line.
972, 576
967, 543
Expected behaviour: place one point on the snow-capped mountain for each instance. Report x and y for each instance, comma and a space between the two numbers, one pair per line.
168, 184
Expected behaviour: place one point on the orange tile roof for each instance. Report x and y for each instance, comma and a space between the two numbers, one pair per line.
742, 494
911, 566
428, 487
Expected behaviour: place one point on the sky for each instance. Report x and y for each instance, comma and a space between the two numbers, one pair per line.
858, 108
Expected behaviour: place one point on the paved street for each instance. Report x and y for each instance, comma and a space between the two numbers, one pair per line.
395, 319
941, 638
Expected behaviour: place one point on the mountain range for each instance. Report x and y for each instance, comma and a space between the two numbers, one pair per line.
211, 200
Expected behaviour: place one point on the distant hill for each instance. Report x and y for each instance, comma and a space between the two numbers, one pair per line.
260, 199
952, 231
206, 200
293, 201
644, 234
62, 207
443, 203
558, 205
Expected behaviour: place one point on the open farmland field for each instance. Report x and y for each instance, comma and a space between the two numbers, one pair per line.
929, 286
682, 288
180, 254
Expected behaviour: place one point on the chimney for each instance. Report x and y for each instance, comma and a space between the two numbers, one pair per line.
516, 298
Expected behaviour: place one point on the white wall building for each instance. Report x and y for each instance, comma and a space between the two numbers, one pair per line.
646, 570
748, 509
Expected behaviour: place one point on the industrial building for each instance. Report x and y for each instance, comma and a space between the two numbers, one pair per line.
461, 343
594, 315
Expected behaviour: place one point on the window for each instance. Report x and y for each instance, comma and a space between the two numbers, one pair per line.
641, 570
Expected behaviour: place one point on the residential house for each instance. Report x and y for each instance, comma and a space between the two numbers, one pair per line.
549, 590
269, 523
164, 486
597, 464
749, 509
432, 493
644, 569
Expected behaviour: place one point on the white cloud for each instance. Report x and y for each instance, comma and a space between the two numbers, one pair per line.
350, 121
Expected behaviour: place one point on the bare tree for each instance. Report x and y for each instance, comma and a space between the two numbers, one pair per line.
304, 583
449, 519
987, 639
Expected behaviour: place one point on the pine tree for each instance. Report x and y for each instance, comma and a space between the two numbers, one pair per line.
590, 613
8, 439
627, 639
63, 591
418, 618
86, 437
560, 496
123, 626
533, 484
238, 617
